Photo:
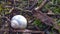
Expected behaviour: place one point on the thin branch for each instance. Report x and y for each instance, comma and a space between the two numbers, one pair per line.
34, 4
44, 18
25, 31
42, 5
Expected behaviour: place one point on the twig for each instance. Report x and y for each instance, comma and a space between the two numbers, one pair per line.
41, 5
34, 4
25, 31
17, 8
11, 10
56, 15
44, 18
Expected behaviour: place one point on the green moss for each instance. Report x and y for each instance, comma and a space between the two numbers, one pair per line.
39, 2
56, 10
37, 22
58, 22
51, 32
1, 8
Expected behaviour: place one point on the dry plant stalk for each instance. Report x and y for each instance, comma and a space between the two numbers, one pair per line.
43, 17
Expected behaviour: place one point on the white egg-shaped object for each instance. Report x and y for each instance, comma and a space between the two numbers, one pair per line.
18, 21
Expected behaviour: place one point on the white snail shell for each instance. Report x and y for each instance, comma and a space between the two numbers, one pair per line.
19, 21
